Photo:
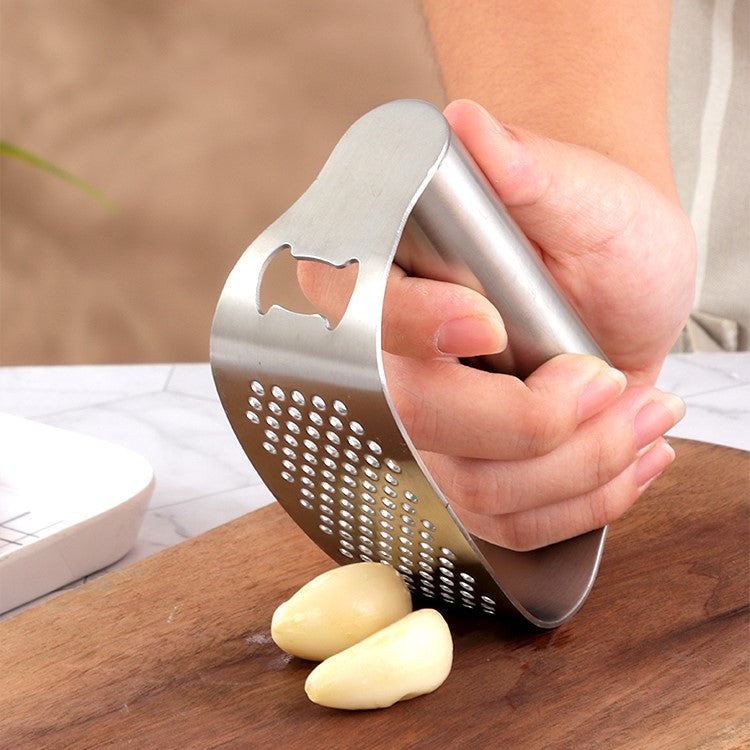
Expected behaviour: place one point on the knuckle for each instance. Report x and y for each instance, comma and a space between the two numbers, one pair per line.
409, 411
478, 486
539, 433
462, 485
610, 503
416, 412
604, 462
519, 532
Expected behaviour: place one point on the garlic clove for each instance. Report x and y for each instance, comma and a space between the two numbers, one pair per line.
411, 657
339, 608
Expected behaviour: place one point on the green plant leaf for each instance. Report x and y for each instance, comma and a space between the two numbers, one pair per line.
9, 149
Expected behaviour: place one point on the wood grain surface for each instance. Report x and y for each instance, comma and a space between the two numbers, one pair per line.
175, 650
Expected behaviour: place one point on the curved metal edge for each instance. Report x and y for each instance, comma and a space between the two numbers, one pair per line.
224, 352
470, 238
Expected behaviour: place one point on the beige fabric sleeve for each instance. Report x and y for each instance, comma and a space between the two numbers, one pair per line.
709, 121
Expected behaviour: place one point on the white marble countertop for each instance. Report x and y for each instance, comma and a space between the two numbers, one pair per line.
171, 415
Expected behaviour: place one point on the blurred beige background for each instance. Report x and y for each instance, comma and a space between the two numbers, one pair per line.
202, 120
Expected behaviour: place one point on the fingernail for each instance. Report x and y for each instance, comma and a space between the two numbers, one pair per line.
646, 448
471, 337
656, 417
488, 118
652, 463
606, 385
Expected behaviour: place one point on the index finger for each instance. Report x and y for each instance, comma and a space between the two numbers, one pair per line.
422, 318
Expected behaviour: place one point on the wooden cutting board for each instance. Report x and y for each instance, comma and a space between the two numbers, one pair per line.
175, 651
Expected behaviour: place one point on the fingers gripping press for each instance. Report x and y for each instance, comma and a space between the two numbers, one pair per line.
586, 482
421, 318
456, 410
527, 463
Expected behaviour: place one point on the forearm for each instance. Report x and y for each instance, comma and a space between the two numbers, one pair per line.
590, 72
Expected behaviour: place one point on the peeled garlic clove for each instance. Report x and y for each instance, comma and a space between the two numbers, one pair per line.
339, 608
411, 657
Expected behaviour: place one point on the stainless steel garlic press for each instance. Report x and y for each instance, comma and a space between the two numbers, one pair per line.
307, 397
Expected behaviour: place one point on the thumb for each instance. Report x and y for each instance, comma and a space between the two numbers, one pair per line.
566, 198
622, 252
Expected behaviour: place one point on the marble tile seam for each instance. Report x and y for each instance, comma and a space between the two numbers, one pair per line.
195, 396
206, 496
96, 405
739, 386
169, 377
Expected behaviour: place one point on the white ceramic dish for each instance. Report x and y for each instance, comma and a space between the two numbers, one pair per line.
70, 504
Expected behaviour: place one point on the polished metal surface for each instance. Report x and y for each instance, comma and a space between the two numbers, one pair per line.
308, 400
479, 245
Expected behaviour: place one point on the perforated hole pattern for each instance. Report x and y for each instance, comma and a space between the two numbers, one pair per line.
354, 492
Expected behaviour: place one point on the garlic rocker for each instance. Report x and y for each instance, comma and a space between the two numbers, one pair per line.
307, 396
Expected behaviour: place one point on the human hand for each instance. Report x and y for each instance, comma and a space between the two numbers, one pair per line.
571, 448
622, 252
